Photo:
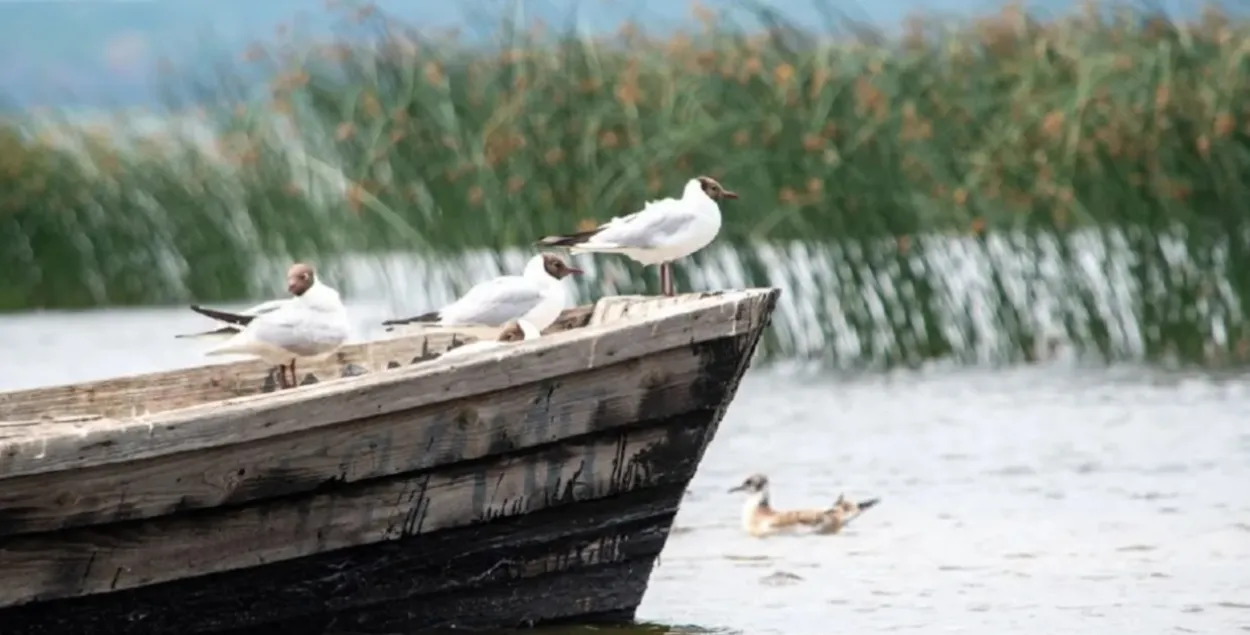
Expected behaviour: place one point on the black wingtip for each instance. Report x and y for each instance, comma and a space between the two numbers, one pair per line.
568, 240
223, 316
868, 504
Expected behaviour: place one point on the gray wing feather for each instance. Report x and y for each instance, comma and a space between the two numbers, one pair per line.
494, 302
300, 332
656, 225
266, 307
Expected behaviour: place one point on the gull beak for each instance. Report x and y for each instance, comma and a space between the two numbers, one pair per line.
738, 488
728, 194
575, 271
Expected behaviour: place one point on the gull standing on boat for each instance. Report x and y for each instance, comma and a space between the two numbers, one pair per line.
759, 519
537, 296
311, 325
513, 331
663, 231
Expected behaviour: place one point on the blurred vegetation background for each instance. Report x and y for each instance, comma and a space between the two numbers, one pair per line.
1079, 180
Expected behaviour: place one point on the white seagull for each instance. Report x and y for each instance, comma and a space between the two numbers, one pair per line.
311, 325
664, 231
513, 331
537, 296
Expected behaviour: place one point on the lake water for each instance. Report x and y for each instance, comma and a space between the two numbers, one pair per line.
1037, 499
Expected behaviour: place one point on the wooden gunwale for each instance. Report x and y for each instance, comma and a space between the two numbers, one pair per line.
558, 410
60, 447
146, 394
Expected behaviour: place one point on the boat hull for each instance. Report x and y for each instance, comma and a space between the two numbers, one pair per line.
545, 501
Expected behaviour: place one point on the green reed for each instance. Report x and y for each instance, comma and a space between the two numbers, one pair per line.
1110, 120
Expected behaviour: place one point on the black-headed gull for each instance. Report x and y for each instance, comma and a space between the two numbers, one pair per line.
536, 296
760, 519
664, 231
310, 325
513, 331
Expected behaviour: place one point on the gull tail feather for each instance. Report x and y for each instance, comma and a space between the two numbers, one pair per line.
221, 332
241, 344
862, 507
868, 504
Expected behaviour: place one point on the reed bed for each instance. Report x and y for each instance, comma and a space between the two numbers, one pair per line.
874, 151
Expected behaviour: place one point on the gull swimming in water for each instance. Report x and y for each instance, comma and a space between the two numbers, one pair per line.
663, 231
514, 331
311, 325
537, 296
759, 519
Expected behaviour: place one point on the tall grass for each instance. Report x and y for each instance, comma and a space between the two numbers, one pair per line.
1117, 122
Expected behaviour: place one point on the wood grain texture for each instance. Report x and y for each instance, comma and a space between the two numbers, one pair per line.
528, 485
150, 393
526, 416
153, 393
107, 558
59, 446
579, 561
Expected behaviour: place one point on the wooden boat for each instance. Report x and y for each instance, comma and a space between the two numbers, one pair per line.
531, 484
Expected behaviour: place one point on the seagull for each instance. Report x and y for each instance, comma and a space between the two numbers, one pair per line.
311, 325
513, 331
537, 296
759, 519
664, 231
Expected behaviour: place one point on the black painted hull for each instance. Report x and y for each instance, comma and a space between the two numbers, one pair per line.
382, 588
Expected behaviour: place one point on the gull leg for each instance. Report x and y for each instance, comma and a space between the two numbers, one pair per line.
294, 377
281, 376
663, 278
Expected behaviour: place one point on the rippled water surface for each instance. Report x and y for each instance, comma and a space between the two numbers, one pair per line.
1040, 499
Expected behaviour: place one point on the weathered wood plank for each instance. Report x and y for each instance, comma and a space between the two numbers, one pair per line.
107, 558
56, 447
655, 387
412, 579
151, 393
617, 308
